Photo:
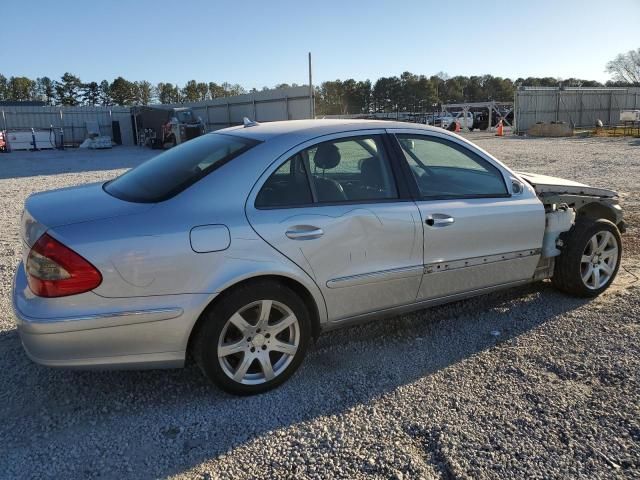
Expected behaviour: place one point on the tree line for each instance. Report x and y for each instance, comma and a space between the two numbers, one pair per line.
71, 91
418, 93
408, 92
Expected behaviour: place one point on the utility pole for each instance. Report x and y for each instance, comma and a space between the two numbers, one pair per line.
311, 101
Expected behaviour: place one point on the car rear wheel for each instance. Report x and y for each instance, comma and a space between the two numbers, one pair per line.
253, 339
591, 258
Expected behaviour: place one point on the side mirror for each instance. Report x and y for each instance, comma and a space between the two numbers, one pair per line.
516, 187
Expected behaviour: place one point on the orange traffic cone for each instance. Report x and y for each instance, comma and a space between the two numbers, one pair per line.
457, 127
500, 129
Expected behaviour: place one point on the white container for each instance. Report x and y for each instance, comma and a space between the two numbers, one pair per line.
23, 140
556, 222
630, 115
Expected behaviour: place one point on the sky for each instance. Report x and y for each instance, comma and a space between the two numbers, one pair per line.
264, 43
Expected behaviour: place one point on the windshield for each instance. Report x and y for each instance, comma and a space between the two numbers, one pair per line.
169, 173
185, 116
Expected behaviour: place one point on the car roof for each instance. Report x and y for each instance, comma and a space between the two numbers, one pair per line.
315, 128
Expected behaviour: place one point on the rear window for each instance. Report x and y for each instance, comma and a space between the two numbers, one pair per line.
169, 173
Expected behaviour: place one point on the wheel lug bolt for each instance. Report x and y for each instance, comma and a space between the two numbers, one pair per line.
267, 335
264, 347
253, 349
258, 330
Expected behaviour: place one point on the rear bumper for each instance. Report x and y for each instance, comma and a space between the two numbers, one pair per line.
89, 331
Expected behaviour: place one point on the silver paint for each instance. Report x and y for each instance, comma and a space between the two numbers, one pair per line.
163, 264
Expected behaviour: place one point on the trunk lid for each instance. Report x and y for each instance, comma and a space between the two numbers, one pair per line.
71, 205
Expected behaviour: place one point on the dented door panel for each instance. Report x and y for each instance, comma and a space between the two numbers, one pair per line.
367, 256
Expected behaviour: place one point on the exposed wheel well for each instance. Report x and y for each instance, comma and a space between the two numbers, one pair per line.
596, 211
297, 287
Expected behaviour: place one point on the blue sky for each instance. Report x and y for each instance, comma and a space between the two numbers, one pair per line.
264, 43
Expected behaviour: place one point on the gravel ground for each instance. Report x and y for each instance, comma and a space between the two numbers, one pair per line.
523, 383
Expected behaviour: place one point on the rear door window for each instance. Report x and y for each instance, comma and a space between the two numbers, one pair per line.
344, 170
288, 186
351, 170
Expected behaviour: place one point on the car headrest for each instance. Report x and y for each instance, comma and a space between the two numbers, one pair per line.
370, 167
327, 156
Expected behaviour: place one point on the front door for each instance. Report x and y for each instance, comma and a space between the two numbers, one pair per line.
477, 234
335, 209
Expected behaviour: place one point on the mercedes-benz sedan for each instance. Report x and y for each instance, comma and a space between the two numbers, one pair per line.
239, 247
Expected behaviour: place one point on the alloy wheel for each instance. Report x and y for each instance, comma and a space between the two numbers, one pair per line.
258, 342
599, 260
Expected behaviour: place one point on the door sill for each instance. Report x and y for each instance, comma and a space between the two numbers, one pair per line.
402, 309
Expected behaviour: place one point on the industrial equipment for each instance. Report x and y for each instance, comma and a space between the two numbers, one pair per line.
166, 127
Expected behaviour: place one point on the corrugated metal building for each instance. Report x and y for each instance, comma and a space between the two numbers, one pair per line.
579, 107
266, 106
282, 104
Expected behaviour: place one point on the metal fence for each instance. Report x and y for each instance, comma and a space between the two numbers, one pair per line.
579, 107
269, 105
292, 103
72, 120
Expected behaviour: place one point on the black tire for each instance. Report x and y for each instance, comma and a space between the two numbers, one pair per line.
567, 275
204, 348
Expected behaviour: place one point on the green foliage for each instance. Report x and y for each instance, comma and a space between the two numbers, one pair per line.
407, 93
4, 88
91, 93
168, 93
143, 92
105, 93
46, 90
68, 90
21, 88
122, 92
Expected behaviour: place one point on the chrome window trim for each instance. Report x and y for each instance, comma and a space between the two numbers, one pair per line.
279, 161
448, 138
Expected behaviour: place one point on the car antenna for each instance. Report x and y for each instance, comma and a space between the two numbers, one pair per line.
249, 123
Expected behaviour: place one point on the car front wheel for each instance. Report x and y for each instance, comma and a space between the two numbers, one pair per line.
254, 338
590, 259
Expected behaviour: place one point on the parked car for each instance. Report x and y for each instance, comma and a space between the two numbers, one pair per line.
446, 119
241, 246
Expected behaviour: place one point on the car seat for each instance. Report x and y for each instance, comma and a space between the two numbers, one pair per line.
327, 157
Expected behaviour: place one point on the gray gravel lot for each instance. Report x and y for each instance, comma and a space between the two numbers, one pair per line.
429, 395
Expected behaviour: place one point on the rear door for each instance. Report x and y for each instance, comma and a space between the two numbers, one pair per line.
335, 209
477, 232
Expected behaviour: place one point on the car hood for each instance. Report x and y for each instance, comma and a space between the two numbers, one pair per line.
547, 184
83, 203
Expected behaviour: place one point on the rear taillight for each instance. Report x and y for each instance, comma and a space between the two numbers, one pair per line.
54, 270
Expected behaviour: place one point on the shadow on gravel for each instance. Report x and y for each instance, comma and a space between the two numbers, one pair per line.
165, 422
54, 162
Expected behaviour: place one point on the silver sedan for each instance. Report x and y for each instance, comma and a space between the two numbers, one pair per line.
239, 247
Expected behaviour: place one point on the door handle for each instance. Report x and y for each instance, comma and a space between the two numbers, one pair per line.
439, 220
304, 232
